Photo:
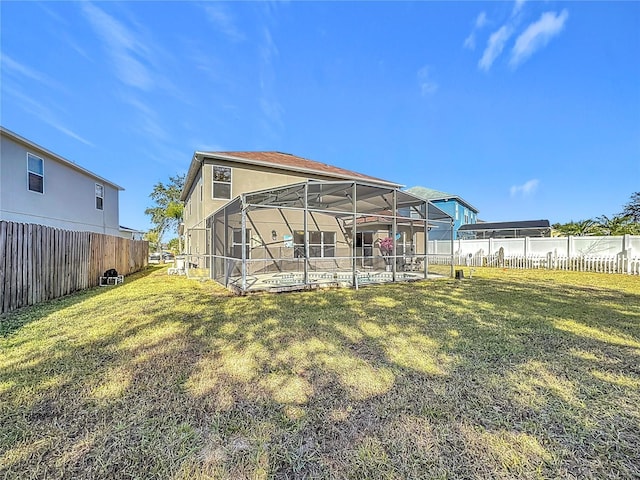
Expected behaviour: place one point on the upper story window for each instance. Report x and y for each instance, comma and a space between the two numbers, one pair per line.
99, 196
35, 172
466, 216
221, 184
457, 214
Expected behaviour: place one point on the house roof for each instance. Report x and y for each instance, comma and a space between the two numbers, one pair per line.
132, 230
43, 151
284, 161
518, 225
431, 194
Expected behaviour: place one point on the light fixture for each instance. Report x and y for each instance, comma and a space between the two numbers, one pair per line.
274, 235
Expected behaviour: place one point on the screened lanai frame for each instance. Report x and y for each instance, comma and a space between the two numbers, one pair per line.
321, 232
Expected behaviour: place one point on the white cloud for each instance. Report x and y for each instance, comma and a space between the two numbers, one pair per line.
11, 65
526, 189
222, 20
517, 7
270, 106
470, 41
44, 114
537, 35
495, 45
126, 50
148, 120
481, 21
427, 85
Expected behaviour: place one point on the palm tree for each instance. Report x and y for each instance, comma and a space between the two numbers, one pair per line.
153, 237
581, 228
618, 225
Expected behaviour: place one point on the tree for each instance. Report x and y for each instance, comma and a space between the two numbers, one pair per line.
152, 237
174, 245
625, 223
580, 229
618, 225
166, 215
632, 208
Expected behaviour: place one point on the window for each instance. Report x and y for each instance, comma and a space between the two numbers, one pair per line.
236, 243
99, 196
221, 184
35, 173
457, 216
321, 244
466, 216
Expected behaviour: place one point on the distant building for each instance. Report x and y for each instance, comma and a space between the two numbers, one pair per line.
520, 229
131, 233
462, 212
39, 186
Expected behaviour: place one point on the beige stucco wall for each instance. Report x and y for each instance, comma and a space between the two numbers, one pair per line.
68, 201
263, 222
244, 179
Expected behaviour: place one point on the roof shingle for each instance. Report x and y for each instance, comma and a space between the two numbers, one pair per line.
293, 162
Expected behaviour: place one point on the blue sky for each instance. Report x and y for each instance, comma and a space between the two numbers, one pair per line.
527, 110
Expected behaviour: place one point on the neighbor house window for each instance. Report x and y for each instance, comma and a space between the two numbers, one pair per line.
221, 187
466, 216
35, 172
457, 216
99, 196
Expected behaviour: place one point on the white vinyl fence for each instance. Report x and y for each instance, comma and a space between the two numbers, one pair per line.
619, 254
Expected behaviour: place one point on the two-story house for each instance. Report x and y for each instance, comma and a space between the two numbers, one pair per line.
462, 212
248, 214
39, 186
214, 178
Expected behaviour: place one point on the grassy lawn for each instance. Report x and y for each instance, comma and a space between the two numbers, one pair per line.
510, 374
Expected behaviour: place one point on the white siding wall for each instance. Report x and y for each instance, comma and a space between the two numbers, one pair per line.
68, 200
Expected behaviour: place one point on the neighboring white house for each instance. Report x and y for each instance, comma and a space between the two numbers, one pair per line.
38, 186
131, 233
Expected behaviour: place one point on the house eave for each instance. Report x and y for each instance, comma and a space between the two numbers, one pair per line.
229, 158
43, 151
459, 200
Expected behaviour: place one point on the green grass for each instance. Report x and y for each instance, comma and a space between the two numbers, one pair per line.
510, 374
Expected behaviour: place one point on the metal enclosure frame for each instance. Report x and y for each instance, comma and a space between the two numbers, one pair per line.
324, 225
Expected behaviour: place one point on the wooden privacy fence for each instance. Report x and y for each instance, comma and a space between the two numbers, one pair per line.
39, 263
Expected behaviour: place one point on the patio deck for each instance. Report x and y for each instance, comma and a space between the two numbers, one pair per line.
289, 281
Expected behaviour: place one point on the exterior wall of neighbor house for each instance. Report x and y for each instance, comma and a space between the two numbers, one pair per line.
244, 179
68, 200
460, 213
131, 234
